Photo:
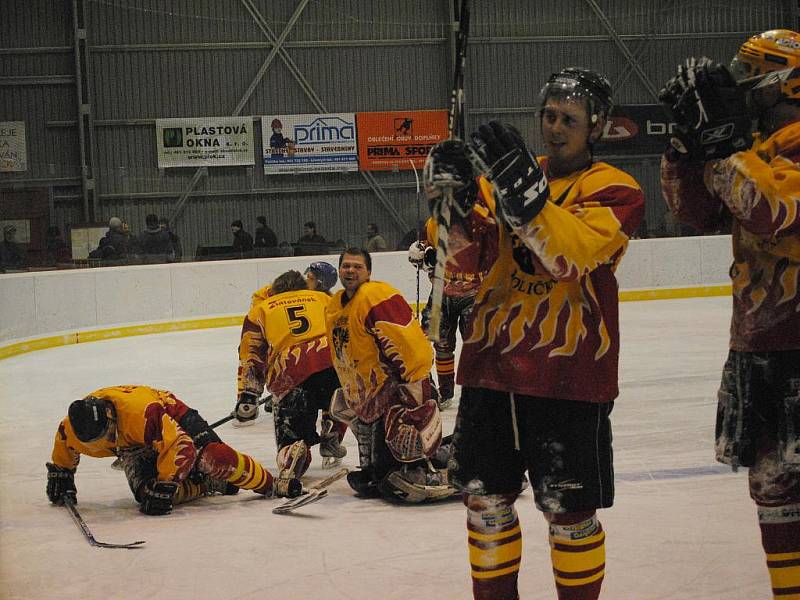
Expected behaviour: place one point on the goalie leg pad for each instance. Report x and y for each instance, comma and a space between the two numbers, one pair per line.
295, 419
293, 460
339, 409
417, 484
330, 439
375, 458
413, 433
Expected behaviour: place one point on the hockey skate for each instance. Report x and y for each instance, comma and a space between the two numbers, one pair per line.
446, 392
414, 484
330, 448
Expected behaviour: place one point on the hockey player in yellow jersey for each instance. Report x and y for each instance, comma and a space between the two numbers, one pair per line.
538, 367
752, 186
320, 276
284, 349
383, 360
168, 452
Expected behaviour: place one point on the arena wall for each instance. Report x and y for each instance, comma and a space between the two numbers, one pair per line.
52, 308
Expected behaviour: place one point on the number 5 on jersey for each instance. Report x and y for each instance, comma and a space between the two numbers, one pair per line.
298, 322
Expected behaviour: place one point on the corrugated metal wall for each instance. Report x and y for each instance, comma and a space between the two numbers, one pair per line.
154, 59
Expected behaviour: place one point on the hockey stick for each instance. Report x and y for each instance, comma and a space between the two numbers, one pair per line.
233, 414
456, 128
312, 494
69, 502
419, 233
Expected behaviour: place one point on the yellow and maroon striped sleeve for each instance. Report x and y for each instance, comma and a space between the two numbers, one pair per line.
403, 346
64, 455
761, 186
576, 238
253, 348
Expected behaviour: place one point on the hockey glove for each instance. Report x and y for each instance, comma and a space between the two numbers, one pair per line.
60, 481
246, 407
155, 497
521, 185
422, 256
709, 109
448, 166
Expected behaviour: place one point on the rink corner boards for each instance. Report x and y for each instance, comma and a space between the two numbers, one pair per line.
95, 335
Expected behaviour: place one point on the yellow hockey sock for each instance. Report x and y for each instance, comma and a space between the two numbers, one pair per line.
780, 537
188, 491
495, 551
578, 554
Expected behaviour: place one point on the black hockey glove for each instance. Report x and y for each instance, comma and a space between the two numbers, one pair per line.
709, 109
448, 166
60, 481
246, 407
522, 188
155, 497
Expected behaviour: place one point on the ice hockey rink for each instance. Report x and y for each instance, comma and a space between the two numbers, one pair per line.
682, 528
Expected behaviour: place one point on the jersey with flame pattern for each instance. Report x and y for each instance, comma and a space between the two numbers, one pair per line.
376, 345
144, 417
283, 342
545, 321
469, 253
260, 295
760, 189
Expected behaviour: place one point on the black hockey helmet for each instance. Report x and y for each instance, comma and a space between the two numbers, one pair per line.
88, 418
576, 82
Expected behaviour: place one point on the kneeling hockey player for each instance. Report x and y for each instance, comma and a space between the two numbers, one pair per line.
168, 452
284, 348
383, 360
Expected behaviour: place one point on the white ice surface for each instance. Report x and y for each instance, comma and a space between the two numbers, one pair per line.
682, 528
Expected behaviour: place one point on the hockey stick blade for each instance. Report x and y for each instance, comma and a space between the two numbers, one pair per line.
295, 503
316, 492
69, 502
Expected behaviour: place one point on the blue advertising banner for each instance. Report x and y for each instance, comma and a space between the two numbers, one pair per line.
312, 143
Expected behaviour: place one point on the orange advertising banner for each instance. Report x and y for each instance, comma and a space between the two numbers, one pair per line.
390, 141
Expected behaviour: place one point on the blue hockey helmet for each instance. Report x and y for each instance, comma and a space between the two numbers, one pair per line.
324, 273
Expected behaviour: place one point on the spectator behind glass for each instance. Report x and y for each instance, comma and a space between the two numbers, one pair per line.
242, 241
55, 248
12, 254
265, 237
310, 242
375, 241
113, 245
154, 243
174, 240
